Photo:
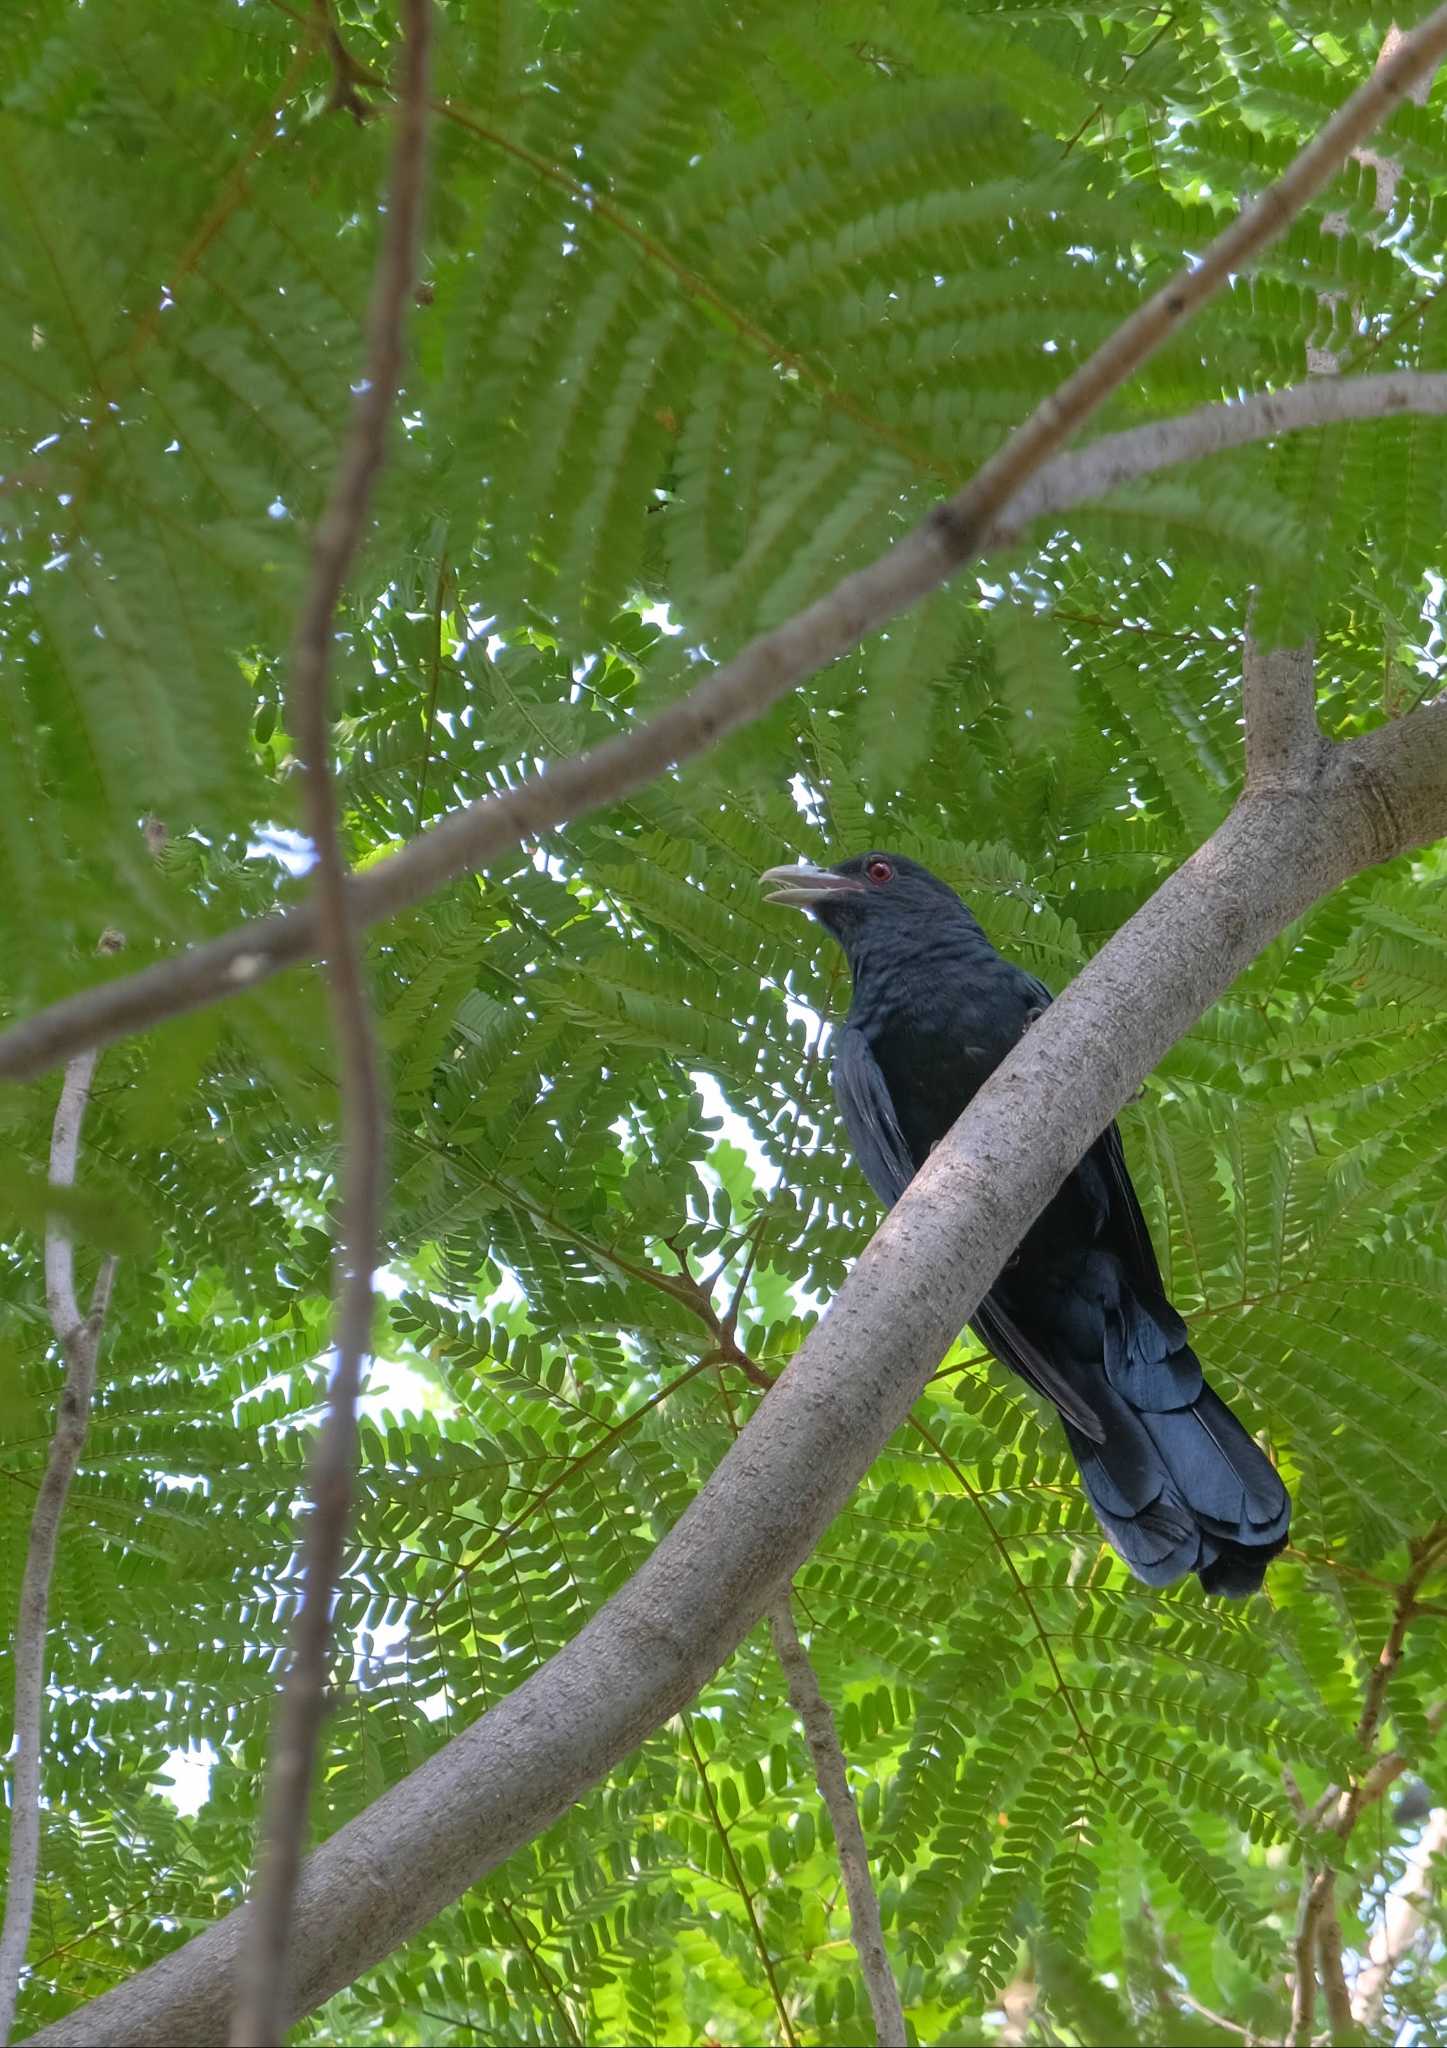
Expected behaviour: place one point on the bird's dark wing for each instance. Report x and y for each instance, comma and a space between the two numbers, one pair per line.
1001, 1334
1132, 1241
864, 1102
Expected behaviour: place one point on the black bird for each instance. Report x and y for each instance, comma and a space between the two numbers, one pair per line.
1080, 1311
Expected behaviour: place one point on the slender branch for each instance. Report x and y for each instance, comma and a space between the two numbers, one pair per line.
851, 1385
1316, 1899
546, 1977
1042, 1634
1424, 1556
77, 1337
1385, 1772
60, 1302
1333, 1976
966, 519
1318, 1937
1216, 2019
263, 2007
742, 690
865, 1925
433, 687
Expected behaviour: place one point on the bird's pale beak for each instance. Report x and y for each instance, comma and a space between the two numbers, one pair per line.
802, 888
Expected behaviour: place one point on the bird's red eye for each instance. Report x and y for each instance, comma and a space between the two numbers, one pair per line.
879, 871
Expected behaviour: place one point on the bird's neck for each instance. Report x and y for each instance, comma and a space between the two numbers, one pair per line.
896, 964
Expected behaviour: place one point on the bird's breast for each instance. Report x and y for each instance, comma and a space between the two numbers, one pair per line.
933, 1066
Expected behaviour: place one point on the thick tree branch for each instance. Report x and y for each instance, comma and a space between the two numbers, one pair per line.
260, 2018
1284, 744
817, 1721
853, 1382
77, 1337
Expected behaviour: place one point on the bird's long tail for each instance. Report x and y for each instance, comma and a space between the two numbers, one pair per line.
1176, 1482
1183, 1489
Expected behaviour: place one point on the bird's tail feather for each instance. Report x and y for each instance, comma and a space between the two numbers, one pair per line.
1183, 1489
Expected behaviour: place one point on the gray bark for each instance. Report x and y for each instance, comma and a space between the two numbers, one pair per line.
1323, 816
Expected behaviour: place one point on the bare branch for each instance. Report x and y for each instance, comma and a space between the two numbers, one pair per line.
1102, 466
60, 1301
817, 1720
852, 1383
1340, 1808
732, 696
1317, 1891
1333, 1976
78, 1340
1385, 1772
1425, 1555
263, 2005
968, 517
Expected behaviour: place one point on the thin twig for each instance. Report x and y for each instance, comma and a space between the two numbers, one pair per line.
434, 684
761, 1946
1318, 1939
1294, 1793
1216, 2019
546, 1977
820, 1733
262, 2008
1042, 1634
78, 1340
1425, 1555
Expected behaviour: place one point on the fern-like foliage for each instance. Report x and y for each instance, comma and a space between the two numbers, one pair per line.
717, 301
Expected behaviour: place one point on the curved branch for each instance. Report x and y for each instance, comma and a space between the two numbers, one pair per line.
1115, 459
724, 1564
732, 696
259, 2018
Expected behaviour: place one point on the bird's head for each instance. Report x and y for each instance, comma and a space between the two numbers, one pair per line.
871, 894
